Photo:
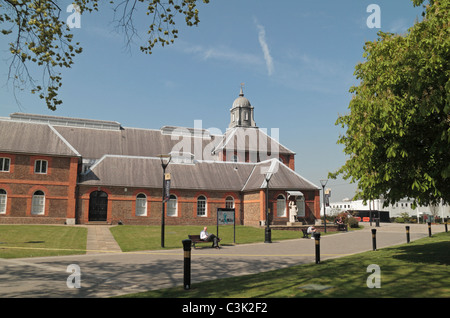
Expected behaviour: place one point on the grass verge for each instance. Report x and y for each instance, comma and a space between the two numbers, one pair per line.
418, 269
41, 240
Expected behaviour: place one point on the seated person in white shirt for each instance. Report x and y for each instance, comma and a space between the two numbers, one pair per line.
311, 230
205, 236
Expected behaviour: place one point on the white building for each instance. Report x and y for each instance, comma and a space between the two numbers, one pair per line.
395, 210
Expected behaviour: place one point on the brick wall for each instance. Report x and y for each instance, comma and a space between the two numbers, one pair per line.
122, 206
21, 183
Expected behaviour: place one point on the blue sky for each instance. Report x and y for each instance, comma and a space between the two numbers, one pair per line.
295, 57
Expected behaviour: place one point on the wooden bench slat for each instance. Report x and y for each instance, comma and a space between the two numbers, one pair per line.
196, 239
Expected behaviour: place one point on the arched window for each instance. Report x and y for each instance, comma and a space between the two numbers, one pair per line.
141, 204
38, 203
281, 206
3, 198
172, 206
201, 206
229, 202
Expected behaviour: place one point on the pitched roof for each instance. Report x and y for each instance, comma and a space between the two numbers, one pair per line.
282, 177
33, 138
147, 172
254, 140
93, 139
129, 171
95, 143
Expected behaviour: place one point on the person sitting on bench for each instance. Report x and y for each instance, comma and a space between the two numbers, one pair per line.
205, 236
341, 226
311, 230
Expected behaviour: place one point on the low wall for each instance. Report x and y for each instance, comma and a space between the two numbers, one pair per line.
320, 228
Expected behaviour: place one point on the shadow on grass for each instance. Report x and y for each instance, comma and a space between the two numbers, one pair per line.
432, 254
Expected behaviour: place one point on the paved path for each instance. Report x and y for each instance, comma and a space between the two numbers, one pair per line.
100, 239
106, 271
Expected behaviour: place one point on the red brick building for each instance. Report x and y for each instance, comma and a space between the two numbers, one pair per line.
66, 170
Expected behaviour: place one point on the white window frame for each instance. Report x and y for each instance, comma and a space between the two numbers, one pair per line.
202, 205
229, 202
141, 204
172, 205
3, 201
3, 161
281, 203
38, 166
38, 203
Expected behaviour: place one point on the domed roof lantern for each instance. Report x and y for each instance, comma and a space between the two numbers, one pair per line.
241, 112
241, 101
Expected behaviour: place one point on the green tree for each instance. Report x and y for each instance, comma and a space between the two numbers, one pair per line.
397, 133
42, 38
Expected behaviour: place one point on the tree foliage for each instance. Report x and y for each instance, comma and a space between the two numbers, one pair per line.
42, 38
398, 129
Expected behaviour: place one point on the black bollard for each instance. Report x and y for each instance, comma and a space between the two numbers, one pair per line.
445, 223
407, 234
268, 235
317, 240
374, 239
429, 229
187, 264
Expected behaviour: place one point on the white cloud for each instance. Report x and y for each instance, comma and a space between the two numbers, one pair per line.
222, 53
265, 47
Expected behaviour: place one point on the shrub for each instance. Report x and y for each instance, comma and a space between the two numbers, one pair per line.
399, 220
352, 222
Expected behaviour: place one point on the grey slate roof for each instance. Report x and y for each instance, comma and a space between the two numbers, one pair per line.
252, 139
95, 143
33, 138
202, 175
93, 139
283, 178
126, 156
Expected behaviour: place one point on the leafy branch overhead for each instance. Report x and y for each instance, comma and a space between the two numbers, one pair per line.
41, 41
398, 130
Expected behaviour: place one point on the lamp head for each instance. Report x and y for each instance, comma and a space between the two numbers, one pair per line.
165, 159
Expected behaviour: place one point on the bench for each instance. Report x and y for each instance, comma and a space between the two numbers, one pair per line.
305, 233
196, 239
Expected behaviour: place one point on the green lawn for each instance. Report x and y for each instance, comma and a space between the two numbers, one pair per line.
49, 240
41, 240
138, 238
418, 269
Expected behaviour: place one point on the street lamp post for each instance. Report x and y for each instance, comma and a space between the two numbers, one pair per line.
268, 232
324, 183
165, 160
